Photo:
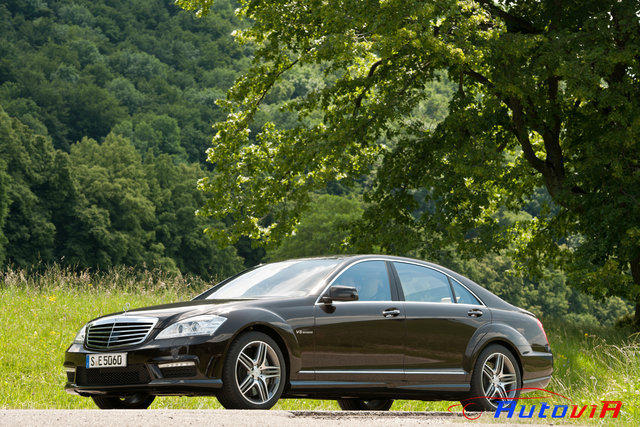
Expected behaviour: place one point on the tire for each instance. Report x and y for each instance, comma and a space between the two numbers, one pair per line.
253, 374
365, 405
508, 380
134, 401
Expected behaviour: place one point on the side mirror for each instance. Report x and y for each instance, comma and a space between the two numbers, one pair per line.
340, 293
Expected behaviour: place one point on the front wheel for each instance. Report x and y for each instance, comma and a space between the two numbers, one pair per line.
365, 405
254, 373
133, 401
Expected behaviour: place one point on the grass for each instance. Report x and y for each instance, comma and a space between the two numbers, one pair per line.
41, 313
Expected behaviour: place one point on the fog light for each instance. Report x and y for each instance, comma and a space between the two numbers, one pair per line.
176, 364
71, 373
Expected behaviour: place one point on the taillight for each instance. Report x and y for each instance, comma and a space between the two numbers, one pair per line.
542, 329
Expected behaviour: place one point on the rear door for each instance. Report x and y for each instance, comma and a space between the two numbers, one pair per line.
439, 325
362, 341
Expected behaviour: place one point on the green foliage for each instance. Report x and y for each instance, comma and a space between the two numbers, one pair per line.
550, 297
140, 213
71, 69
116, 216
106, 104
143, 71
4, 205
101, 206
32, 187
323, 229
419, 103
173, 192
546, 97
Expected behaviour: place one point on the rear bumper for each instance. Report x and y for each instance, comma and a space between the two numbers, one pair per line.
147, 372
532, 383
537, 369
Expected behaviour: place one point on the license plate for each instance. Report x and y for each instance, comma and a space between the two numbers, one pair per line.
106, 360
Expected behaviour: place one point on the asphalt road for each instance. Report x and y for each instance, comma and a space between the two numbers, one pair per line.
187, 417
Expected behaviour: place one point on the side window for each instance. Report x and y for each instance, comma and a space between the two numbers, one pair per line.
423, 284
463, 296
370, 278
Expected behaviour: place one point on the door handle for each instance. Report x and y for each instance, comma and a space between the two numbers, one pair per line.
474, 312
391, 312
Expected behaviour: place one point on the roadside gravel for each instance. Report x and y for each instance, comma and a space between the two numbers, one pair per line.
187, 417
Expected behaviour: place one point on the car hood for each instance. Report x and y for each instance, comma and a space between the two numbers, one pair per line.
169, 313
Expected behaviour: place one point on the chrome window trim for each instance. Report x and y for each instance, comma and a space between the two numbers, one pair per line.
443, 303
482, 304
384, 371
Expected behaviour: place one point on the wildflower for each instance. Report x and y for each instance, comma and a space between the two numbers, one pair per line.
52, 298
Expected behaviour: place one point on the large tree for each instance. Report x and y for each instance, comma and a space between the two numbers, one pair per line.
548, 95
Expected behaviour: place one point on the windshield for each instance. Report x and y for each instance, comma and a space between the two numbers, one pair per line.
280, 279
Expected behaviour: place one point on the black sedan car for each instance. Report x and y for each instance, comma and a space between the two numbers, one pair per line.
363, 330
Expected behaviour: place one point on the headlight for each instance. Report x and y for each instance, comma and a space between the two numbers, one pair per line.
79, 339
198, 325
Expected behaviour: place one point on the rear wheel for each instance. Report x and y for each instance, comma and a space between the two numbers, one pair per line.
253, 375
133, 401
496, 377
365, 405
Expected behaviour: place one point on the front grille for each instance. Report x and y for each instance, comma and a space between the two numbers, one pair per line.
121, 331
135, 374
70, 376
179, 372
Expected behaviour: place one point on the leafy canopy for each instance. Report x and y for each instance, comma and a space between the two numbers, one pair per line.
323, 228
547, 96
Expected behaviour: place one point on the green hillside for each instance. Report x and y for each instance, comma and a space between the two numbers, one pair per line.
106, 111
144, 69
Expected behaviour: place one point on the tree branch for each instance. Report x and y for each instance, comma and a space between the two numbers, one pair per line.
515, 24
552, 168
522, 135
519, 128
276, 76
552, 133
363, 92
481, 79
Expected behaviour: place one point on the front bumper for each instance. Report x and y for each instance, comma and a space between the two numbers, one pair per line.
147, 370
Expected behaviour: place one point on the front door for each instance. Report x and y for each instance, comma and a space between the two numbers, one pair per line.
361, 341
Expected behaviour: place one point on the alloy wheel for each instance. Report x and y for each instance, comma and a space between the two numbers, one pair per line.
499, 378
258, 372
